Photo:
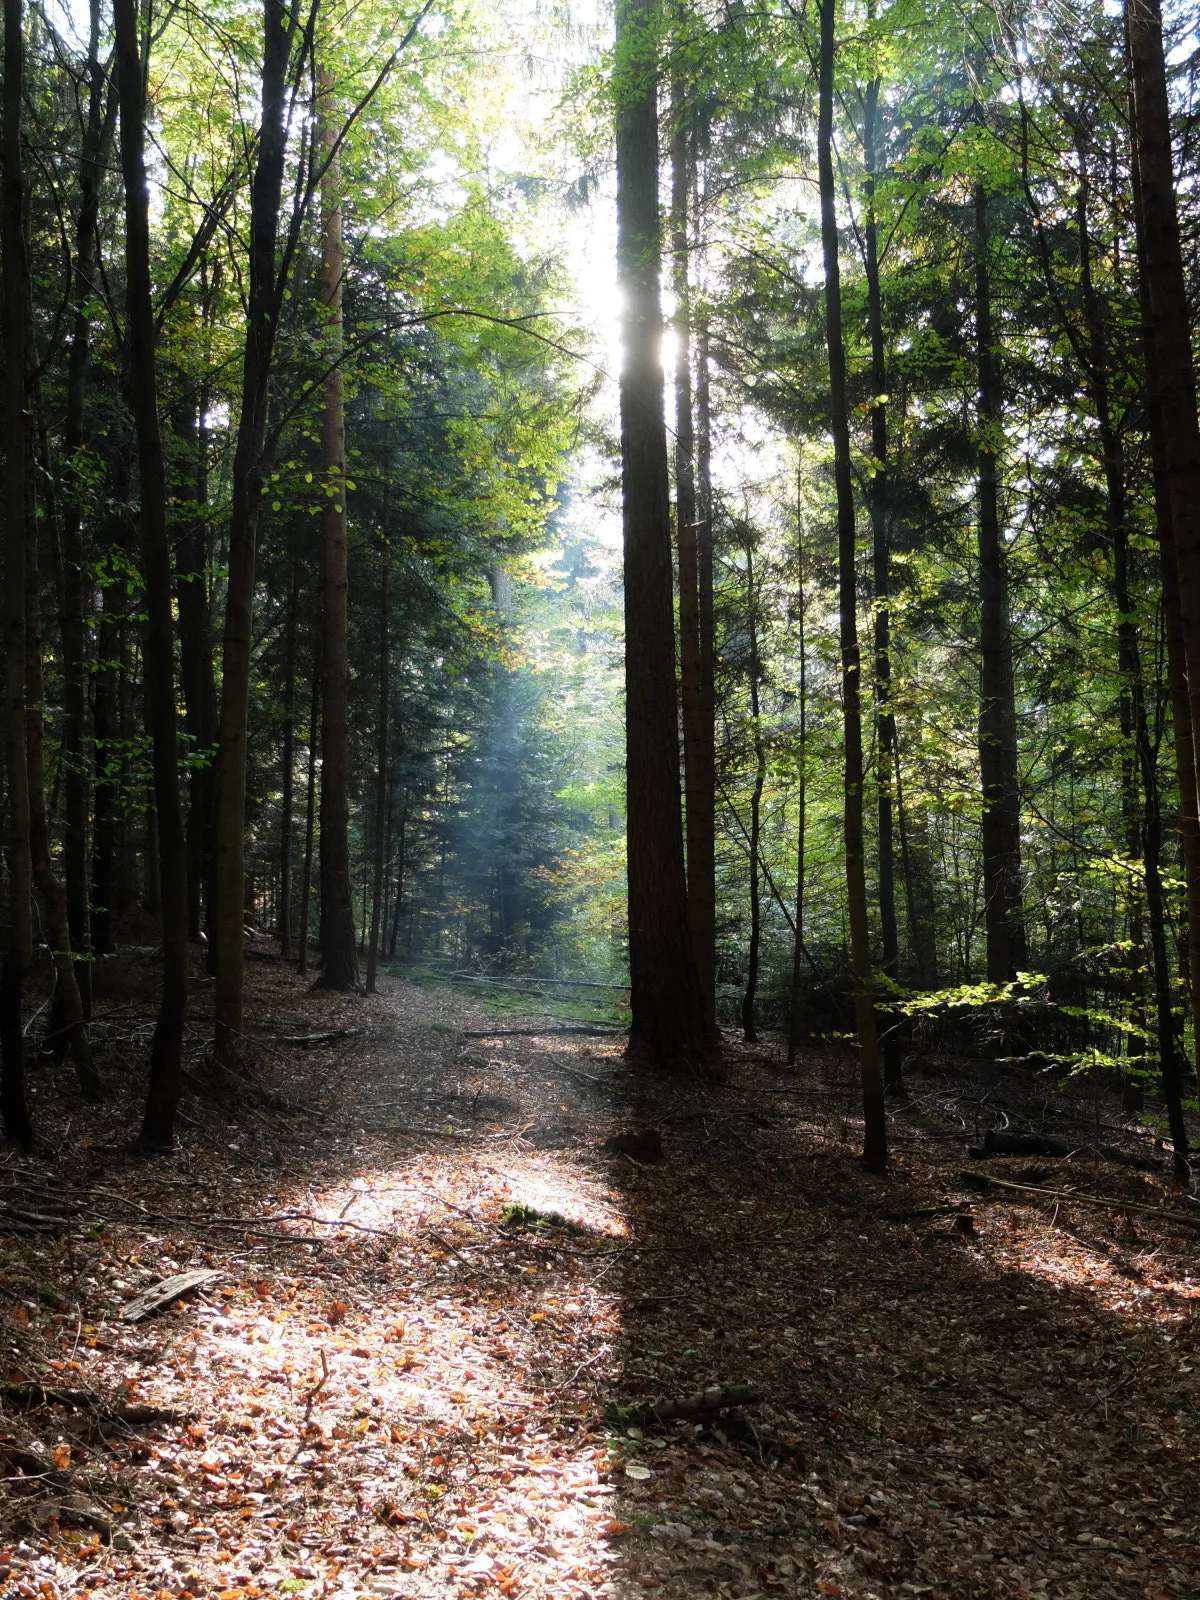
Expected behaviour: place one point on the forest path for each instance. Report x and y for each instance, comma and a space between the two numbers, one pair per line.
395, 1385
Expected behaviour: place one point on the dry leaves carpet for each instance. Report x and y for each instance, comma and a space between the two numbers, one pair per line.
395, 1386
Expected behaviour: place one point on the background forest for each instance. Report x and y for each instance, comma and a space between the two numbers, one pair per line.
314, 483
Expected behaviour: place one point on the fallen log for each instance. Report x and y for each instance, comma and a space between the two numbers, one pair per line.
980, 1181
719, 1398
1000, 1142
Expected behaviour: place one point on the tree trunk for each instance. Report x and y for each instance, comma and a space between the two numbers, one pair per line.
166, 1064
286, 803
105, 736
919, 897
14, 284
339, 961
1175, 455
196, 669
667, 1021
381, 780
398, 901
749, 1031
706, 689
1001, 820
698, 753
1142, 815
879, 504
310, 807
874, 1113
261, 327
97, 138
801, 794
71, 1034
1174, 431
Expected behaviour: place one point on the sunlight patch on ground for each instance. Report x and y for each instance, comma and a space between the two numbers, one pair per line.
1129, 1280
352, 1412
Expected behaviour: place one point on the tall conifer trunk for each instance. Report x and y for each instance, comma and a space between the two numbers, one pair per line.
279, 25
196, 655
339, 961
749, 997
97, 136
794, 1009
287, 801
1175, 454
699, 765
879, 504
874, 1113
398, 892
166, 1065
310, 807
1175, 439
69, 1034
667, 1023
1001, 822
15, 421
380, 834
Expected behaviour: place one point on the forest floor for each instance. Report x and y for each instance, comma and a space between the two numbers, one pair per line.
394, 1382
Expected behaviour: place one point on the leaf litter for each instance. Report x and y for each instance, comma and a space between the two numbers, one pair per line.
438, 1268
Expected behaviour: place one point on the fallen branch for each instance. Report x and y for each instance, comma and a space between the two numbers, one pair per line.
719, 1398
574, 1072
601, 1029
979, 1180
13, 1219
306, 1038
33, 1396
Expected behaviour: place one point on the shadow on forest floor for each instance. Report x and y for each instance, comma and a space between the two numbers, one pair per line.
433, 1276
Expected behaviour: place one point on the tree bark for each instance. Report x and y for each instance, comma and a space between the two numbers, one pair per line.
339, 960
97, 137
70, 1033
310, 807
667, 1021
287, 801
879, 505
801, 795
1001, 819
166, 1052
398, 892
749, 1032
106, 786
1174, 430
196, 668
14, 286
261, 329
381, 778
1142, 813
920, 903
699, 767
874, 1113
1175, 457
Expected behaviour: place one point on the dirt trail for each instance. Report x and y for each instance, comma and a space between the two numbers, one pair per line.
396, 1385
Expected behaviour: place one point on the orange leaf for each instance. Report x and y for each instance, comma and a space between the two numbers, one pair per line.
62, 1457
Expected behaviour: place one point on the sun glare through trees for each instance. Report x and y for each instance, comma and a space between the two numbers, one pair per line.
600, 891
